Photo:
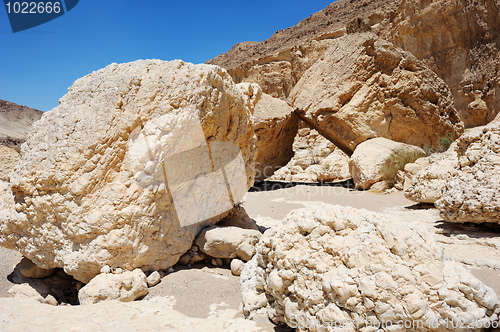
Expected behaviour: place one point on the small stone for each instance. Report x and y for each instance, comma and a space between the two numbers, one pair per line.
216, 262
196, 257
185, 259
49, 299
237, 266
118, 270
170, 270
105, 269
194, 248
153, 279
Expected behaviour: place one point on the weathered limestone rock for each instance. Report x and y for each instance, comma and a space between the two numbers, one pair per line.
275, 127
472, 193
315, 159
412, 169
365, 87
91, 186
127, 286
338, 265
8, 160
228, 242
428, 183
153, 279
237, 266
24, 291
30, 270
433, 172
379, 159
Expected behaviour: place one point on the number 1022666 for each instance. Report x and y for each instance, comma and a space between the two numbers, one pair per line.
33, 7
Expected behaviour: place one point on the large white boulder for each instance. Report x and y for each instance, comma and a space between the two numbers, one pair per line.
379, 159
332, 266
118, 173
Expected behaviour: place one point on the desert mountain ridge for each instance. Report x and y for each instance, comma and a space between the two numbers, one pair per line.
15, 122
332, 18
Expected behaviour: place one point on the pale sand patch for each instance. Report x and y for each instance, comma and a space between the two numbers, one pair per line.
156, 314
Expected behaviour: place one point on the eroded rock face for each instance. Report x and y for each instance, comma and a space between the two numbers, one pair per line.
8, 160
379, 159
332, 265
460, 41
457, 39
125, 287
118, 173
365, 87
278, 63
275, 126
315, 159
427, 184
435, 171
472, 193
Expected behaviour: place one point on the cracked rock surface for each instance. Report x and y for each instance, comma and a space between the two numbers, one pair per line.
334, 264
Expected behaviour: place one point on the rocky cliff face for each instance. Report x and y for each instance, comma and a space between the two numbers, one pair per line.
457, 39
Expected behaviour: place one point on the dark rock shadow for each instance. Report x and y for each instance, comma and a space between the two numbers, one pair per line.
276, 185
63, 287
472, 230
421, 206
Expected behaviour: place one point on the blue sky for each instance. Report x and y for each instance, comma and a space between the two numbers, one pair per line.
38, 65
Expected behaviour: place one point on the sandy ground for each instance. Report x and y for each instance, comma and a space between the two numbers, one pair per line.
201, 296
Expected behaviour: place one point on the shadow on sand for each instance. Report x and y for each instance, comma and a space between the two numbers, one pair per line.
276, 185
